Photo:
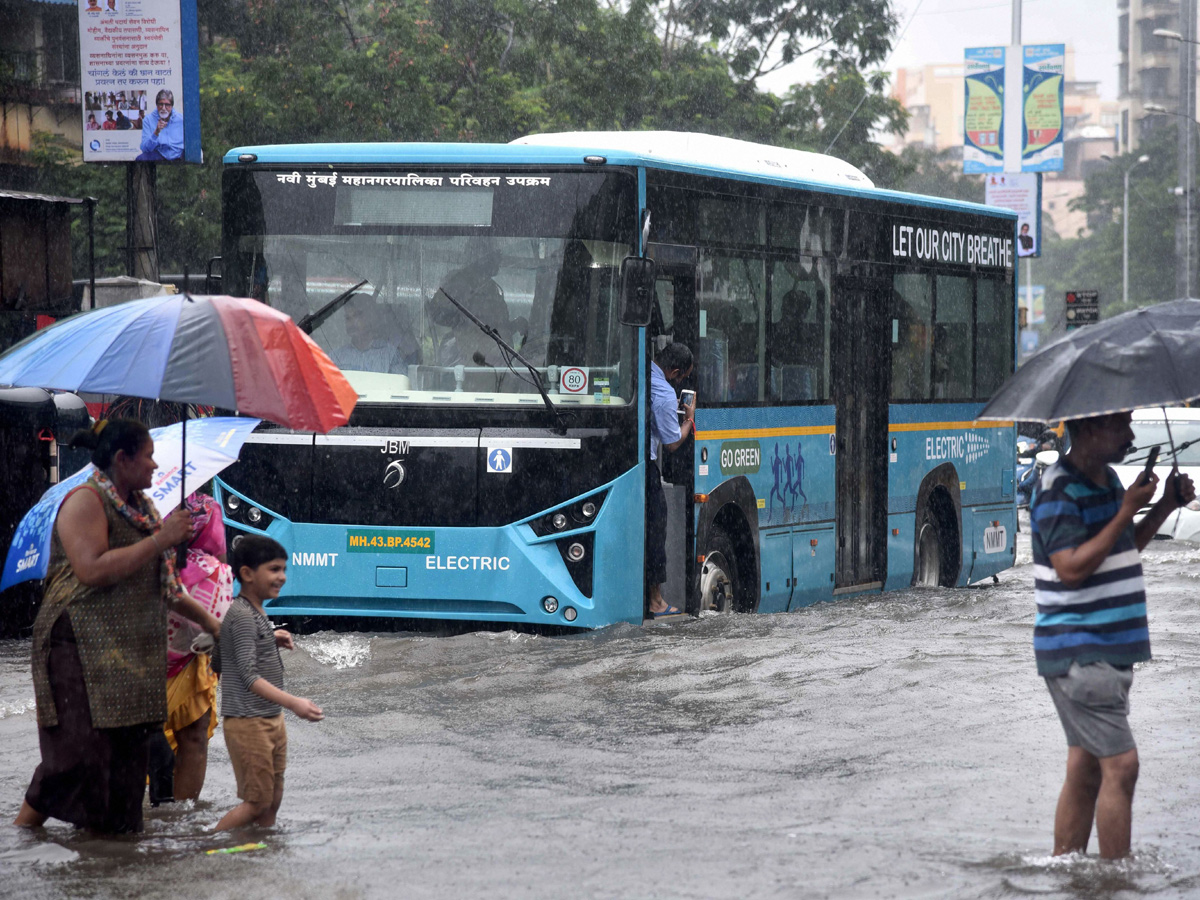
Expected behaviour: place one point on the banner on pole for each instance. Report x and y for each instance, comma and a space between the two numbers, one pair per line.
1042, 97
1022, 193
140, 73
983, 121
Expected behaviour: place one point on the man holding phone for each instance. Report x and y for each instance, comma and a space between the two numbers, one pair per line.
1091, 622
671, 369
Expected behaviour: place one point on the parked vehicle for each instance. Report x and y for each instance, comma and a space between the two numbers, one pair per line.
1034, 456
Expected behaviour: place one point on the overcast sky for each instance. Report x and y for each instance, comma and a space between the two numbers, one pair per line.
937, 31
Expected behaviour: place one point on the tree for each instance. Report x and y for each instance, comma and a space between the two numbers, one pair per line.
284, 71
757, 37
1094, 261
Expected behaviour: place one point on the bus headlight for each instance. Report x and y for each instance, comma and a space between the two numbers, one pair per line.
569, 614
254, 515
233, 502
576, 552
588, 509
559, 521
550, 604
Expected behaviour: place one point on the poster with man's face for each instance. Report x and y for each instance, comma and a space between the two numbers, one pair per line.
1022, 193
134, 72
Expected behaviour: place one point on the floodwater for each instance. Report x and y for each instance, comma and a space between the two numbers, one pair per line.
881, 747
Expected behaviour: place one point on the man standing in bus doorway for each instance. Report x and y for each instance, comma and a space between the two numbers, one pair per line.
1091, 621
673, 366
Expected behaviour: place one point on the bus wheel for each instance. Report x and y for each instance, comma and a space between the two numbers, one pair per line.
719, 575
929, 552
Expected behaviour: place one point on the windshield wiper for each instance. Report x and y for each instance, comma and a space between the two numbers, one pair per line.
316, 319
509, 355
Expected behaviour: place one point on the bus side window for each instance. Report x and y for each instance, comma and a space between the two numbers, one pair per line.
798, 336
953, 362
994, 335
912, 336
732, 297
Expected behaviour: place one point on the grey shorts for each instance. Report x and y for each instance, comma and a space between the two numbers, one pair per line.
1093, 704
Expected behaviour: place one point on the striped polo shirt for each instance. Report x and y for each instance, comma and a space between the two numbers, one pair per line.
1104, 619
246, 653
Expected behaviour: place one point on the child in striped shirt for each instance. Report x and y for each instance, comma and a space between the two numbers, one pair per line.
252, 695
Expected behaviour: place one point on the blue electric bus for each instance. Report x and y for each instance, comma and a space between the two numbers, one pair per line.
497, 307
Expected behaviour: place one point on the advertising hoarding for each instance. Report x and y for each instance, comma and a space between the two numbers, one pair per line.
1022, 193
983, 121
1042, 138
140, 76
1013, 115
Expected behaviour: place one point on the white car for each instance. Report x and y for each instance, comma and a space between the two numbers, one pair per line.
1150, 429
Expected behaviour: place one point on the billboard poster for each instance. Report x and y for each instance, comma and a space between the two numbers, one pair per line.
1035, 296
1022, 193
140, 74
983, 121
1042, 95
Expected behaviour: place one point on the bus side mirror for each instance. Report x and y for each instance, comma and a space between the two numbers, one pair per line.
637, 290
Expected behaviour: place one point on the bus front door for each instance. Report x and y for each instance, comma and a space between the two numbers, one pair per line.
861, 386
675, 320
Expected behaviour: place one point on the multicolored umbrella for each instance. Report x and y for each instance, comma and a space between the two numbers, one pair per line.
227, 352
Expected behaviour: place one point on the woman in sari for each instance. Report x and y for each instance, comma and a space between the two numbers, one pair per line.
100, 637
191, 682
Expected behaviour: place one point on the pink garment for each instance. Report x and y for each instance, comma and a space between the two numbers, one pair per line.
206, 578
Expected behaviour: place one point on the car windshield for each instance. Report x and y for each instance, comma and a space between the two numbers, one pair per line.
1186, 432
371, 262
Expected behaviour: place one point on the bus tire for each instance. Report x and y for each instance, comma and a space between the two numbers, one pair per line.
929, 551
720, 585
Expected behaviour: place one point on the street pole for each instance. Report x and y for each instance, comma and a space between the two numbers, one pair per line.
1125, 225
141, 221
1125, 243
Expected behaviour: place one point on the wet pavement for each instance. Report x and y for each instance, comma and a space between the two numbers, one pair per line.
900, 746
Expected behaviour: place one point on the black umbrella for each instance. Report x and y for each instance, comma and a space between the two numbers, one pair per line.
1147, 357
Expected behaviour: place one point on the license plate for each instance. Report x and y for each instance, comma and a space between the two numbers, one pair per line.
995, 539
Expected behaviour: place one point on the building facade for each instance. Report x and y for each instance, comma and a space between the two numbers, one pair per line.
39, 81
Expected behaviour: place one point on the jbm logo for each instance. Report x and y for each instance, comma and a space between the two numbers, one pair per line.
968, 446
29, 560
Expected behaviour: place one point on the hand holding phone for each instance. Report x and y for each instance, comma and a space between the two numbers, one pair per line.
687, 402
1144, 478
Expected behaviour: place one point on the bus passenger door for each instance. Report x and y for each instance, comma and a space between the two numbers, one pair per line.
861, 388
675, 320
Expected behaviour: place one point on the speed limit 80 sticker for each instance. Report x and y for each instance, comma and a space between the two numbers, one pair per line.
574, 380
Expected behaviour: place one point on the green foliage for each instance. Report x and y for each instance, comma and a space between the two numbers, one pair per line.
921, 170
1093, 261
284, 71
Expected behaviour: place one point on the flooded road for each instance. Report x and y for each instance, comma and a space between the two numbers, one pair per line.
886, 747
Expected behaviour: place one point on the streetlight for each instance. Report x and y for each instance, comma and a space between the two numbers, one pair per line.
1172, 35
1187, 182
1125, 225
1187, 96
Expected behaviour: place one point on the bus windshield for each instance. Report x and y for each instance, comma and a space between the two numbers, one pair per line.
368, 261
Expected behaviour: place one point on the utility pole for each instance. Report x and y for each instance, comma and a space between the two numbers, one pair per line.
141, 220
1185, 241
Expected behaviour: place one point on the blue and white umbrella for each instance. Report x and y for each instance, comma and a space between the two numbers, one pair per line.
212, 445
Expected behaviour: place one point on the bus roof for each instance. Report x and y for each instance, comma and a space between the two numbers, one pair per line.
701, 154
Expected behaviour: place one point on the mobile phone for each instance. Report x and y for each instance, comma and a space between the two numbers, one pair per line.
1150, 461
684, 396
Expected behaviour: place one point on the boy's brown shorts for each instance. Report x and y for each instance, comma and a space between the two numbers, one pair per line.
258, 750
